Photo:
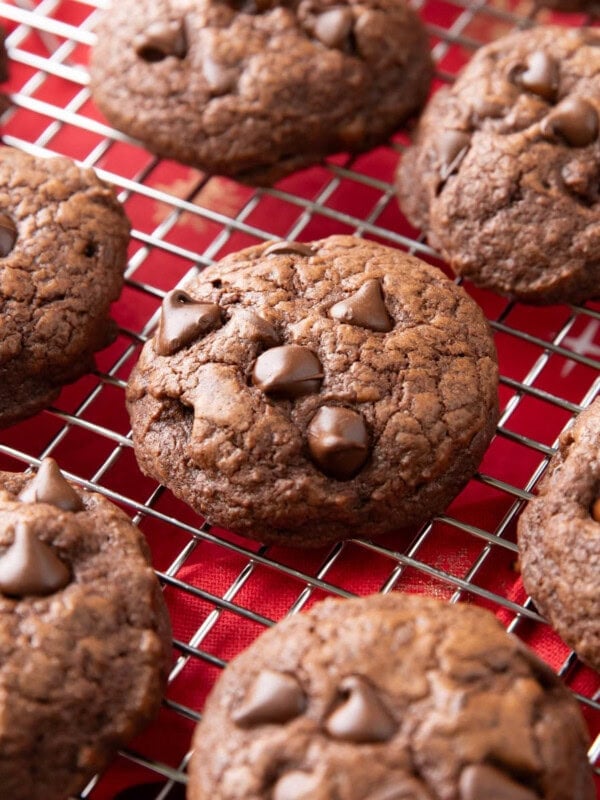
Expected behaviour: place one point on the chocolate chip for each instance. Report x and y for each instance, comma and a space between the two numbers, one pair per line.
30, 567
183, 320
294, 248
338, 441
50, 486
161, 39
295, 785
275, 697
8, 235
90, 249
574, 119
289, 371
480, 780
596, 510
333, 26
365, 308
362, 716
540, 75
452, 148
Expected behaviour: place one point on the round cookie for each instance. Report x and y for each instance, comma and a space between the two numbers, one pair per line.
390, 697
84, 635
559, 538
305, 393
504, 174
256, 89
63, 249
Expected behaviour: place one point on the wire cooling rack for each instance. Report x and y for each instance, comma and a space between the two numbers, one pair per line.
223, 590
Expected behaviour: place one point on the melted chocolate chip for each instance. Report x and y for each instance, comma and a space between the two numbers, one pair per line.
289, 371
8, 235
161, 39
480, 780
183, 320
338, 441
596, 510
295, 785
574, 119
540, 75
365, 308
294, 248
275, 697
362, 716
30, 567
50, 486
452, 148
333, 26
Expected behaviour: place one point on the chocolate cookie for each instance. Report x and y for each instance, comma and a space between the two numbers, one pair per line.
84, 635
304, 393
258, 88
559, 538
390, 697
63, 247
504, 175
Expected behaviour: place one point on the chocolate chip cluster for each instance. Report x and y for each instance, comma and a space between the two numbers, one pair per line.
30, 566
338, 438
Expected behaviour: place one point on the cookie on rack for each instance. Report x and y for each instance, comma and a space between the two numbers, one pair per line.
559, 538
256, 89
504, 174
303, 393
63, 249
390, 697
84, 635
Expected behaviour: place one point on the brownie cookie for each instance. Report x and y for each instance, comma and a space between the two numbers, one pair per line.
256, 89
389, 697
504, 175
559, 538
63, 248
305, 393
84, 635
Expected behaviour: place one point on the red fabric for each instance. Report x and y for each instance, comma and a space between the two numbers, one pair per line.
447, 550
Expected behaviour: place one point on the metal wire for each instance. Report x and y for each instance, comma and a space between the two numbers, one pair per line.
62, 61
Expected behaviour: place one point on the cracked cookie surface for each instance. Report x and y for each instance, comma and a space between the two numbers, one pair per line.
63, 248
390, 697
305, 393
559, 538
505, 169
258, 89
84, 635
